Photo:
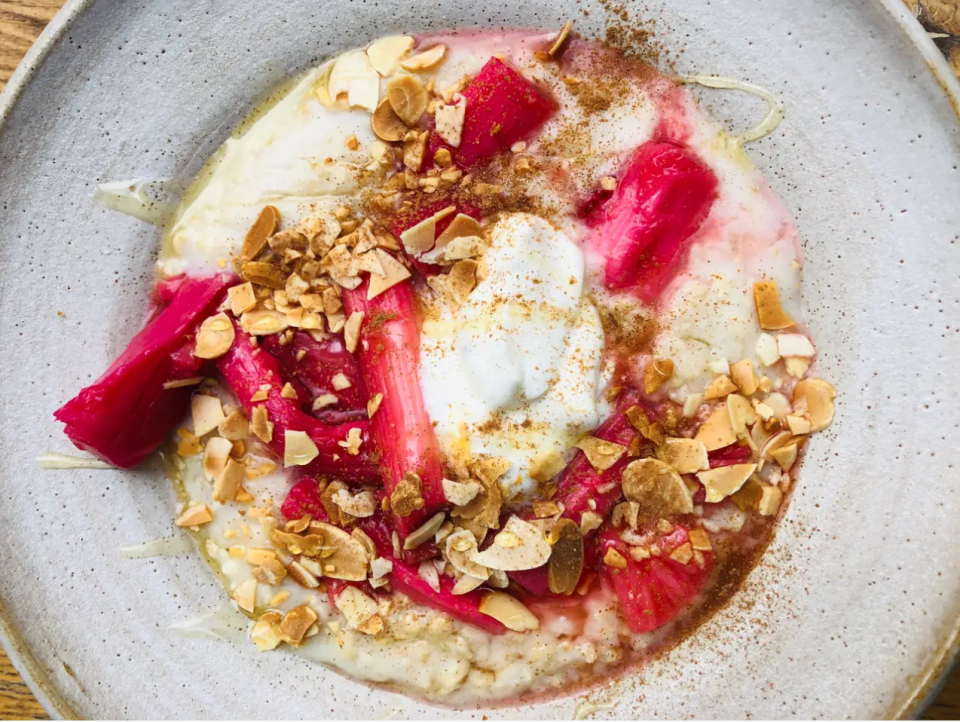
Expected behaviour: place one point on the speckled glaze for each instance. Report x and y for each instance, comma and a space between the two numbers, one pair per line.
855, 607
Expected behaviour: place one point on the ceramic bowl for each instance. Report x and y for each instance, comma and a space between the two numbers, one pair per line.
854, 609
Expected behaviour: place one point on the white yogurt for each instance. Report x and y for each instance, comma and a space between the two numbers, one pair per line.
517, 370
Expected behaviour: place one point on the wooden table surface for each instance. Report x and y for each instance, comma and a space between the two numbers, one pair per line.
21, 21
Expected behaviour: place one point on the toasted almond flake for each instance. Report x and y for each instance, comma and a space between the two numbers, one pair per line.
769, 311
356, 606
743, 375
242, 298
407, 97
717, 431
266, 632
349, 559
420, 238
261, 425
261, 394
561, 38
625, 514
770, 501
226, 486
258, 556
215, 456
450, 121
414, 149
393, 273
196, 515
351, 331
699, 540
798, 425
189, 444
380, 567
523, 547
264, 322
683, 553
656, 487
601, 454
354, 78
785, 456
234, 426
384, 54
214, 337
361, 505
566, 560
691, 404
608, 183
425, 60
386, 124
797, 366
263, 274
795, 344
686, 456
263, 227
373, 404
324, 400
302, 576
340, 382
818, 396
427, 571
406, 497
245, 595
589, 521
546, 466
459, 548
657, 373
181, 383
545, 509
766, 349
613, 558
207, 413
460, 493
288, 392
296, 623
724, 481
353, 442
509, 611
465, 584
719, 388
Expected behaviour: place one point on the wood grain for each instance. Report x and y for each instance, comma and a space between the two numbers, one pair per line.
21, 21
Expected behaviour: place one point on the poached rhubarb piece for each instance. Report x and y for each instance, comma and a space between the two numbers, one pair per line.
729, 455
127, 413
311, 365
389, 353
503, 107
245, 369
304, 498
654, 591
662, 198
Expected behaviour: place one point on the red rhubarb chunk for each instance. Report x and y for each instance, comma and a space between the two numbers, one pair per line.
245, 369
465, 607
389, 353
654, 591
304, 498
127, 412
661, 200
503, 107
380, 530
729, 455
311, 365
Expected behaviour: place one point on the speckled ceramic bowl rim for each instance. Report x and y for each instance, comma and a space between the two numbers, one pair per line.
926, 683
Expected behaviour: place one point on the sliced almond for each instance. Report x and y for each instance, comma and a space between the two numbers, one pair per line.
656, 487
797, 366
546, 466
700, 541
785, 456
613, 558
720, 387
686, 456
261, 425
215, 455
226, 486
561, 38
656, 374
626, 513
414, 149
770, 501
349, 560
266, 632
449, 120
386, 124
263, 274
302, 576
354, 78
263, 227
818, 396
590, 521
406, 497
566, 560
242, 298
264, 322
798, 425
214, 337
461, 226
524, 548
234, 426
717, 431
795, 344
460, 493
601, 454
384, 54
356, 606
766, 349
407, 97
545, 509
425, 531
459, 549
393, 273
769, 311
207, 412
743, 375
196, 515
351, 331
421, 237
466, 584
361, 504
724, 481
245, 595
427, 571
296, 623
425, 60
742, 414
509, 611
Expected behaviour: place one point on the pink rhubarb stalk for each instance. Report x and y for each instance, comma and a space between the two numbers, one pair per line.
662, 198
389, 353
245, 369
127, 412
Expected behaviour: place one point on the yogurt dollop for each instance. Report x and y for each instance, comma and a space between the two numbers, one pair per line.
517, 372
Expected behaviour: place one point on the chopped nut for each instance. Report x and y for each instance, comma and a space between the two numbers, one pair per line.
214, 337
795, 344
262, 228
626, 513
261, 425
545, 467
242, 298
785, 456
393, 273
656, 487
271, 572
296, 623
589, 521
608, 183
226, 486
742, 414
353, 76
420, 238
245, 595
189, 444
353, 442
717, 431
769, 311
196, 515
356, 606
509, 611
349, 559
683, 553
407, 97
613, 558
302, 576
266, 632
724, 481
460, 494
425, 60
797, 366
799, 425
288, 392
414, 149
351, 142
818, 396
234, 426
215, 456
406, 497
425, 531
385, 53
566, 560
324, 400
207, 413
361, 505
720, 387
450, 121
442, 157
743, 375
340, 382
770, 501
699, 540
263, 274
601, 454
657, 373
639, 420
373, 404
686, 456
545, 509
351, 330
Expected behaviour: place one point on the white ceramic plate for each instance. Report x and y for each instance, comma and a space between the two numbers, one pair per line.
852, 610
